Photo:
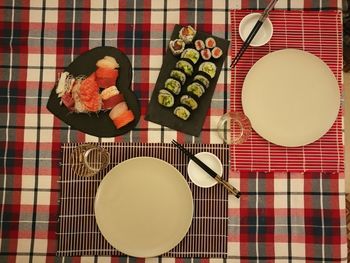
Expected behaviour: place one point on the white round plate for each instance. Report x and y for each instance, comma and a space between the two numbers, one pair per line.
264, 34
291, 97
144, 207
198, 176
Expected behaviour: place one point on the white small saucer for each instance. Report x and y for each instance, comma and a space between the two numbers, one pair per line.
264, 34
198, 176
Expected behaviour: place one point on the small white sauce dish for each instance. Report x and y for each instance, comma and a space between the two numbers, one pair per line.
264, 34
198, 176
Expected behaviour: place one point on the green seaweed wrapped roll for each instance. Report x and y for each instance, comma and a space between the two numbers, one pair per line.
196, 89
191, 54
209, 68
182, 112
189, 102
178, 75
165, 98
185, 66
173, 85
202, 79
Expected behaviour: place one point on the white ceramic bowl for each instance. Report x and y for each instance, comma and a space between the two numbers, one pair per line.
198, 176
264, 34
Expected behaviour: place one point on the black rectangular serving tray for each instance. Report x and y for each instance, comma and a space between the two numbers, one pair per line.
164, 116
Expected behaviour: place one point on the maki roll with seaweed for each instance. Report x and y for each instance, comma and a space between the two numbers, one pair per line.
165, 98
185, 66
216, 52
173, 85
178, 75
210, 42
202, 79
189, 102
191, 54
206, 54
177, 46
182, 112
209, 68
196, 89
187, 34
199, 44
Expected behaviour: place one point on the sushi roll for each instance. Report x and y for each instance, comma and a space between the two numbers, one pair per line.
189, 102
196, 88
209, 68
185, 66
202, 79
177, 46
191, 54
187, 34
199, 44
165, 98
210, 42
178, 75
182, 112
173, 85
216, 52
206, 54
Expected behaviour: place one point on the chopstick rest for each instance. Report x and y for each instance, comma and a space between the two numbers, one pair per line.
207, 169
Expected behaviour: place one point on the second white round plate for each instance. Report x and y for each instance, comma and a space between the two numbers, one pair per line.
291, 97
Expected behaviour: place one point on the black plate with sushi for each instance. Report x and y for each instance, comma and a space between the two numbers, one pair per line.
93, 94
187, 80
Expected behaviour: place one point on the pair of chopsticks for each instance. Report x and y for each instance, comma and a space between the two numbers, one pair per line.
254, 31
207, 169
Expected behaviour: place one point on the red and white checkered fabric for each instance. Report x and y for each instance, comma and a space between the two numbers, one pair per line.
40, 38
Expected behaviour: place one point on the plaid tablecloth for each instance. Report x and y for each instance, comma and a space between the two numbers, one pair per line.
297, 218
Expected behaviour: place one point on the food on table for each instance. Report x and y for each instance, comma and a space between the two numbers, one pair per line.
111, 97
191, 54
189, 101
82, 94
199, 44
209, 68
173, 85
121, 115
68, 101
106, 77
182, 112
202, 79
187, 34
123, 119
89, 94
206, 54
177, 46
210, 42
196, 89
216, 52
118, 110
107, 62
179, 75
165, 98
185, 66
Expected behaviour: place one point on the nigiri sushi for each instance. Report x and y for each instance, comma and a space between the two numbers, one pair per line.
123, 119
106, 77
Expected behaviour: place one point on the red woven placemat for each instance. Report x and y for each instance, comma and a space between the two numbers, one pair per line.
319, 33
